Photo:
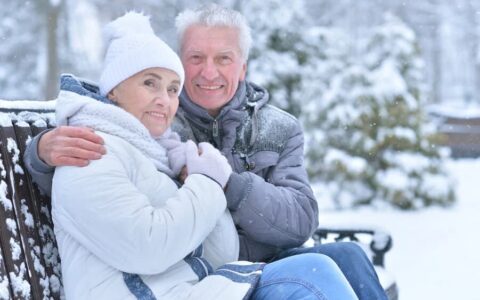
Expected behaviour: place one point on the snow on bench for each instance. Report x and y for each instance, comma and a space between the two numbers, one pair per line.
29, 261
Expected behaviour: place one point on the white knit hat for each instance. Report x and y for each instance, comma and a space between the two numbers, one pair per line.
131, 47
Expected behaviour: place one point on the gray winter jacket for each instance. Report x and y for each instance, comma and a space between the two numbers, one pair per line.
268, 194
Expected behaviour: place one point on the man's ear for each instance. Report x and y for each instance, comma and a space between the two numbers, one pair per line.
243, 72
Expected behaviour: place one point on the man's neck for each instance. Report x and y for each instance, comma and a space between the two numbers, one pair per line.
214, 112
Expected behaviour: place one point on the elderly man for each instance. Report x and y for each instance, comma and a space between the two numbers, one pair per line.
268, 194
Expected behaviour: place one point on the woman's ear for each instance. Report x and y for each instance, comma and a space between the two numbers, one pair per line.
112, 96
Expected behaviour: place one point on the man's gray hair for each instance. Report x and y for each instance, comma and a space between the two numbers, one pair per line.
214, 15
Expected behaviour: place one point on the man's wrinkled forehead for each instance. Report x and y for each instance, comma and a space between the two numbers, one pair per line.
222, 39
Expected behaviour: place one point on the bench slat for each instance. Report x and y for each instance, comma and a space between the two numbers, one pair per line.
10, 235
31, 268
5, 290
40, 208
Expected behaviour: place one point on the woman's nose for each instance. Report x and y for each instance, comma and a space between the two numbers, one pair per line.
161, 98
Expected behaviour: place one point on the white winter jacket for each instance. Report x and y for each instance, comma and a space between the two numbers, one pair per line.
125, 231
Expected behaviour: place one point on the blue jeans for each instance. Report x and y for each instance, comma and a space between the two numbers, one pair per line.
354, 264
306, 276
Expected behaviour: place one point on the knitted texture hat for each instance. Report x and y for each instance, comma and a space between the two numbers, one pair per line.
131, 47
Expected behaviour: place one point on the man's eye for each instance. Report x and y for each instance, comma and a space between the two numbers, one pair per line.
225, 59
195, 58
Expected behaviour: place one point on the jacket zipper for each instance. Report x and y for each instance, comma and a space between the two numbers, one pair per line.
248, 165
215, 128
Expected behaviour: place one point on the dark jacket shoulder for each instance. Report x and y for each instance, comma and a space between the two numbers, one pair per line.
271, 128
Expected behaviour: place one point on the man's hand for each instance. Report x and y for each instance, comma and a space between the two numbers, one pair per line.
183, 175
70, 146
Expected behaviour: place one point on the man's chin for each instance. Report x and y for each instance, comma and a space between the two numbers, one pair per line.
204, 101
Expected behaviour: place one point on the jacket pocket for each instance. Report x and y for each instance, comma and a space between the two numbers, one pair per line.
259, 162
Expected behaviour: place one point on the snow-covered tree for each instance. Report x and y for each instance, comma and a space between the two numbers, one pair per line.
19, 51
280, 50
44, 38
375, 145
41, 40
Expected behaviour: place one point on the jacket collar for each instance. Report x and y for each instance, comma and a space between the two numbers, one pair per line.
193, 109
221, 130
247, 95
83, 87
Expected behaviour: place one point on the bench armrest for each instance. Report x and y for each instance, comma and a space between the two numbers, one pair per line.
380, 242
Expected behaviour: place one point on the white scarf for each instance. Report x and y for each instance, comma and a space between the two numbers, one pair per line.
77, 110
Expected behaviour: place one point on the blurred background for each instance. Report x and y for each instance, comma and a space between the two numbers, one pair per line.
42, 38
387, 92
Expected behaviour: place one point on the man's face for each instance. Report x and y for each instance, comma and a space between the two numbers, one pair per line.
213, 65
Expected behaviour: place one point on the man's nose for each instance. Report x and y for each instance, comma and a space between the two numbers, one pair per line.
209, 70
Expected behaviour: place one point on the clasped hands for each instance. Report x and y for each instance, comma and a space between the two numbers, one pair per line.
185, 158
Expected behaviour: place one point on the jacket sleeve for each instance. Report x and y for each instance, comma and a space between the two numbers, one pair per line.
222, 244
42, 174
100, 207
279, 210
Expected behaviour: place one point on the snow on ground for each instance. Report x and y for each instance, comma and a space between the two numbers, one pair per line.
436, 251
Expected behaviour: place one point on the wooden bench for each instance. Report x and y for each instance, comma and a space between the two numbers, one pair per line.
29, 260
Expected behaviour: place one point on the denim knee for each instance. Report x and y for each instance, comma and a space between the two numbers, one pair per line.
348, 248
353, 263
305, 262
344, 251
311, 260
304, 276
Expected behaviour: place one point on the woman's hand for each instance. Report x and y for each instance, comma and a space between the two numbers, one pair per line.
175, 152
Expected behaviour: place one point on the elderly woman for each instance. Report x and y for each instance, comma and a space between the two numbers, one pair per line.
125, 230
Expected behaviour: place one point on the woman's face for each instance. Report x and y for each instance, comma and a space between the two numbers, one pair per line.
151, 96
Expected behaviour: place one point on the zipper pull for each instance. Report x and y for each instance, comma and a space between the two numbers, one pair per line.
248, 165
215, 128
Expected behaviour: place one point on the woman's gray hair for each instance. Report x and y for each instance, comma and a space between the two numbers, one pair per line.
214, 15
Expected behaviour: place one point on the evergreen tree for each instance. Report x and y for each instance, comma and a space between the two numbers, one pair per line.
19, 52
40, 41
376, 146
280, 49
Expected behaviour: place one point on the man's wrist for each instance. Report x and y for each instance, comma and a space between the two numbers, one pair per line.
33, 156
237, 189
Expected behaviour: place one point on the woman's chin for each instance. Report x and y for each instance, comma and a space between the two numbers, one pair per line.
157, 132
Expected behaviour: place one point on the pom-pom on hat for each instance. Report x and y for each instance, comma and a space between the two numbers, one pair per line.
131, 47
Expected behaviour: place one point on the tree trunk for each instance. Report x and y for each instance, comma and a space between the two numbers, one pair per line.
53, 65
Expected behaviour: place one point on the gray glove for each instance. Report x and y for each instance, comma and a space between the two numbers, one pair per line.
175, 151
210, 162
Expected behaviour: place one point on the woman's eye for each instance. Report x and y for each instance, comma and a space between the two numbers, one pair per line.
149, 83
173, 90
